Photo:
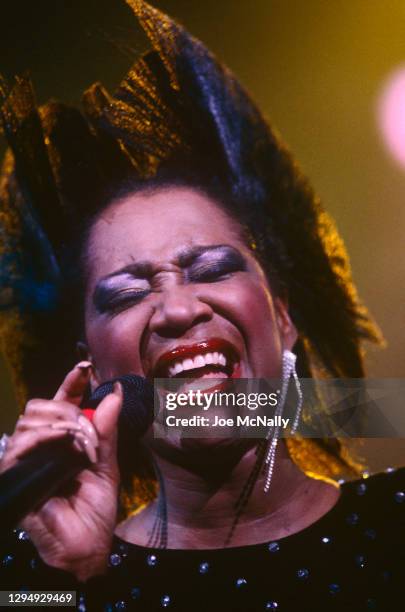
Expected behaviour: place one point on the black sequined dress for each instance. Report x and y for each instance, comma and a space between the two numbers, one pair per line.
352, 559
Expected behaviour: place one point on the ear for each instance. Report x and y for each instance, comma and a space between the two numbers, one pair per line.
287, 329
84, 354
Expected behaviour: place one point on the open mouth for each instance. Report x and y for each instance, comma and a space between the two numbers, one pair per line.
213, 358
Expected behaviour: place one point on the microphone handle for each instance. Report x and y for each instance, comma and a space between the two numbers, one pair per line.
37, 477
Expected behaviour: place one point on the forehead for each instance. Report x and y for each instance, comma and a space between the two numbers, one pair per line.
157, 226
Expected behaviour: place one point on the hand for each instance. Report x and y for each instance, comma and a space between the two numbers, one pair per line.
73, 532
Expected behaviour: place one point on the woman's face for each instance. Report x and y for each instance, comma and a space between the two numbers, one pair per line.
173, 290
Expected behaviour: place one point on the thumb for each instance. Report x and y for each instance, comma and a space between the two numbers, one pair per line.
105, 422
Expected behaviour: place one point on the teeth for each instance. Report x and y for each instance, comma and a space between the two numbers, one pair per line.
199, 361
188, 364
177, 368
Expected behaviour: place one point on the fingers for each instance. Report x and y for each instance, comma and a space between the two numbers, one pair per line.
88, 429
82, 441
74, 385
49, 416
26, 423
84, 444
26, 441
48, 419
85, 436
50, 409
81, 425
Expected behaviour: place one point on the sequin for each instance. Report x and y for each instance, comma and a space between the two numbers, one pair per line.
165, 601
3, 445
33, 563
365, 474
274, 547
341, 481
120, 605
241, 582
271, 605
334, 588
326, 540
400, 497
7, 560
115, 560
204, 567
371, 534
352, 519
302, 573
135, 593
360, 561
151, 560
82, 604
361, 488
390, 469
22, 535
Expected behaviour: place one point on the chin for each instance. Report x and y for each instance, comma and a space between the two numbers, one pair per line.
195, 444
219, 454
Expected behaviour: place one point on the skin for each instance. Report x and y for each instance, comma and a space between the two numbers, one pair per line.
239, 307
69, 531
176, 306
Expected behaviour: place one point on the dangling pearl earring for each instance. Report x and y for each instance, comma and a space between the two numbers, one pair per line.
288, 371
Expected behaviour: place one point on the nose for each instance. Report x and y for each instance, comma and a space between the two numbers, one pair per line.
178, 309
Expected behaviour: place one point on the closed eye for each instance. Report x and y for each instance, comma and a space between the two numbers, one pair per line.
214, 267
118, 301
212, 272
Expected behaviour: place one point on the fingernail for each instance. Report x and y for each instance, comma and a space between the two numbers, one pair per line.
84, 365
117, 388
88, 428
91, 453
86, 445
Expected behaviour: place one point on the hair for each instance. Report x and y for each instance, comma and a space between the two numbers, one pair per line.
179, 117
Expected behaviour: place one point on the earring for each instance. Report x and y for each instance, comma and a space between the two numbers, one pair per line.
288, 372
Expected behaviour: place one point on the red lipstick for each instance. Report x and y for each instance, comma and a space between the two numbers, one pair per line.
191, 350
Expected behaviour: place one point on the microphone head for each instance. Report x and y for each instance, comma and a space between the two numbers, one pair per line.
137, 406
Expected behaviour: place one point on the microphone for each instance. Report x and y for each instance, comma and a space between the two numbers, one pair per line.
43, 471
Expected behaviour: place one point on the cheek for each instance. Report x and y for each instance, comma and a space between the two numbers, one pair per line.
252, 302
255, 315
114, 345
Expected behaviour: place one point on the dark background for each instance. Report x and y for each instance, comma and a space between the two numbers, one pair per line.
316, 69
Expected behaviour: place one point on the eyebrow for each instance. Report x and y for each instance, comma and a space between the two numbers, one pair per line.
186, 257
144, 269
141, 269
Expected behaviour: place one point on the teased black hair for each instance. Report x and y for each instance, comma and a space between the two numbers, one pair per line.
178, 116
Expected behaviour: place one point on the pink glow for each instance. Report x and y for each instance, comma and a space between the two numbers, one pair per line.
391, 114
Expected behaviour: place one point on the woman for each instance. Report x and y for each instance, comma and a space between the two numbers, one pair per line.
169, 220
